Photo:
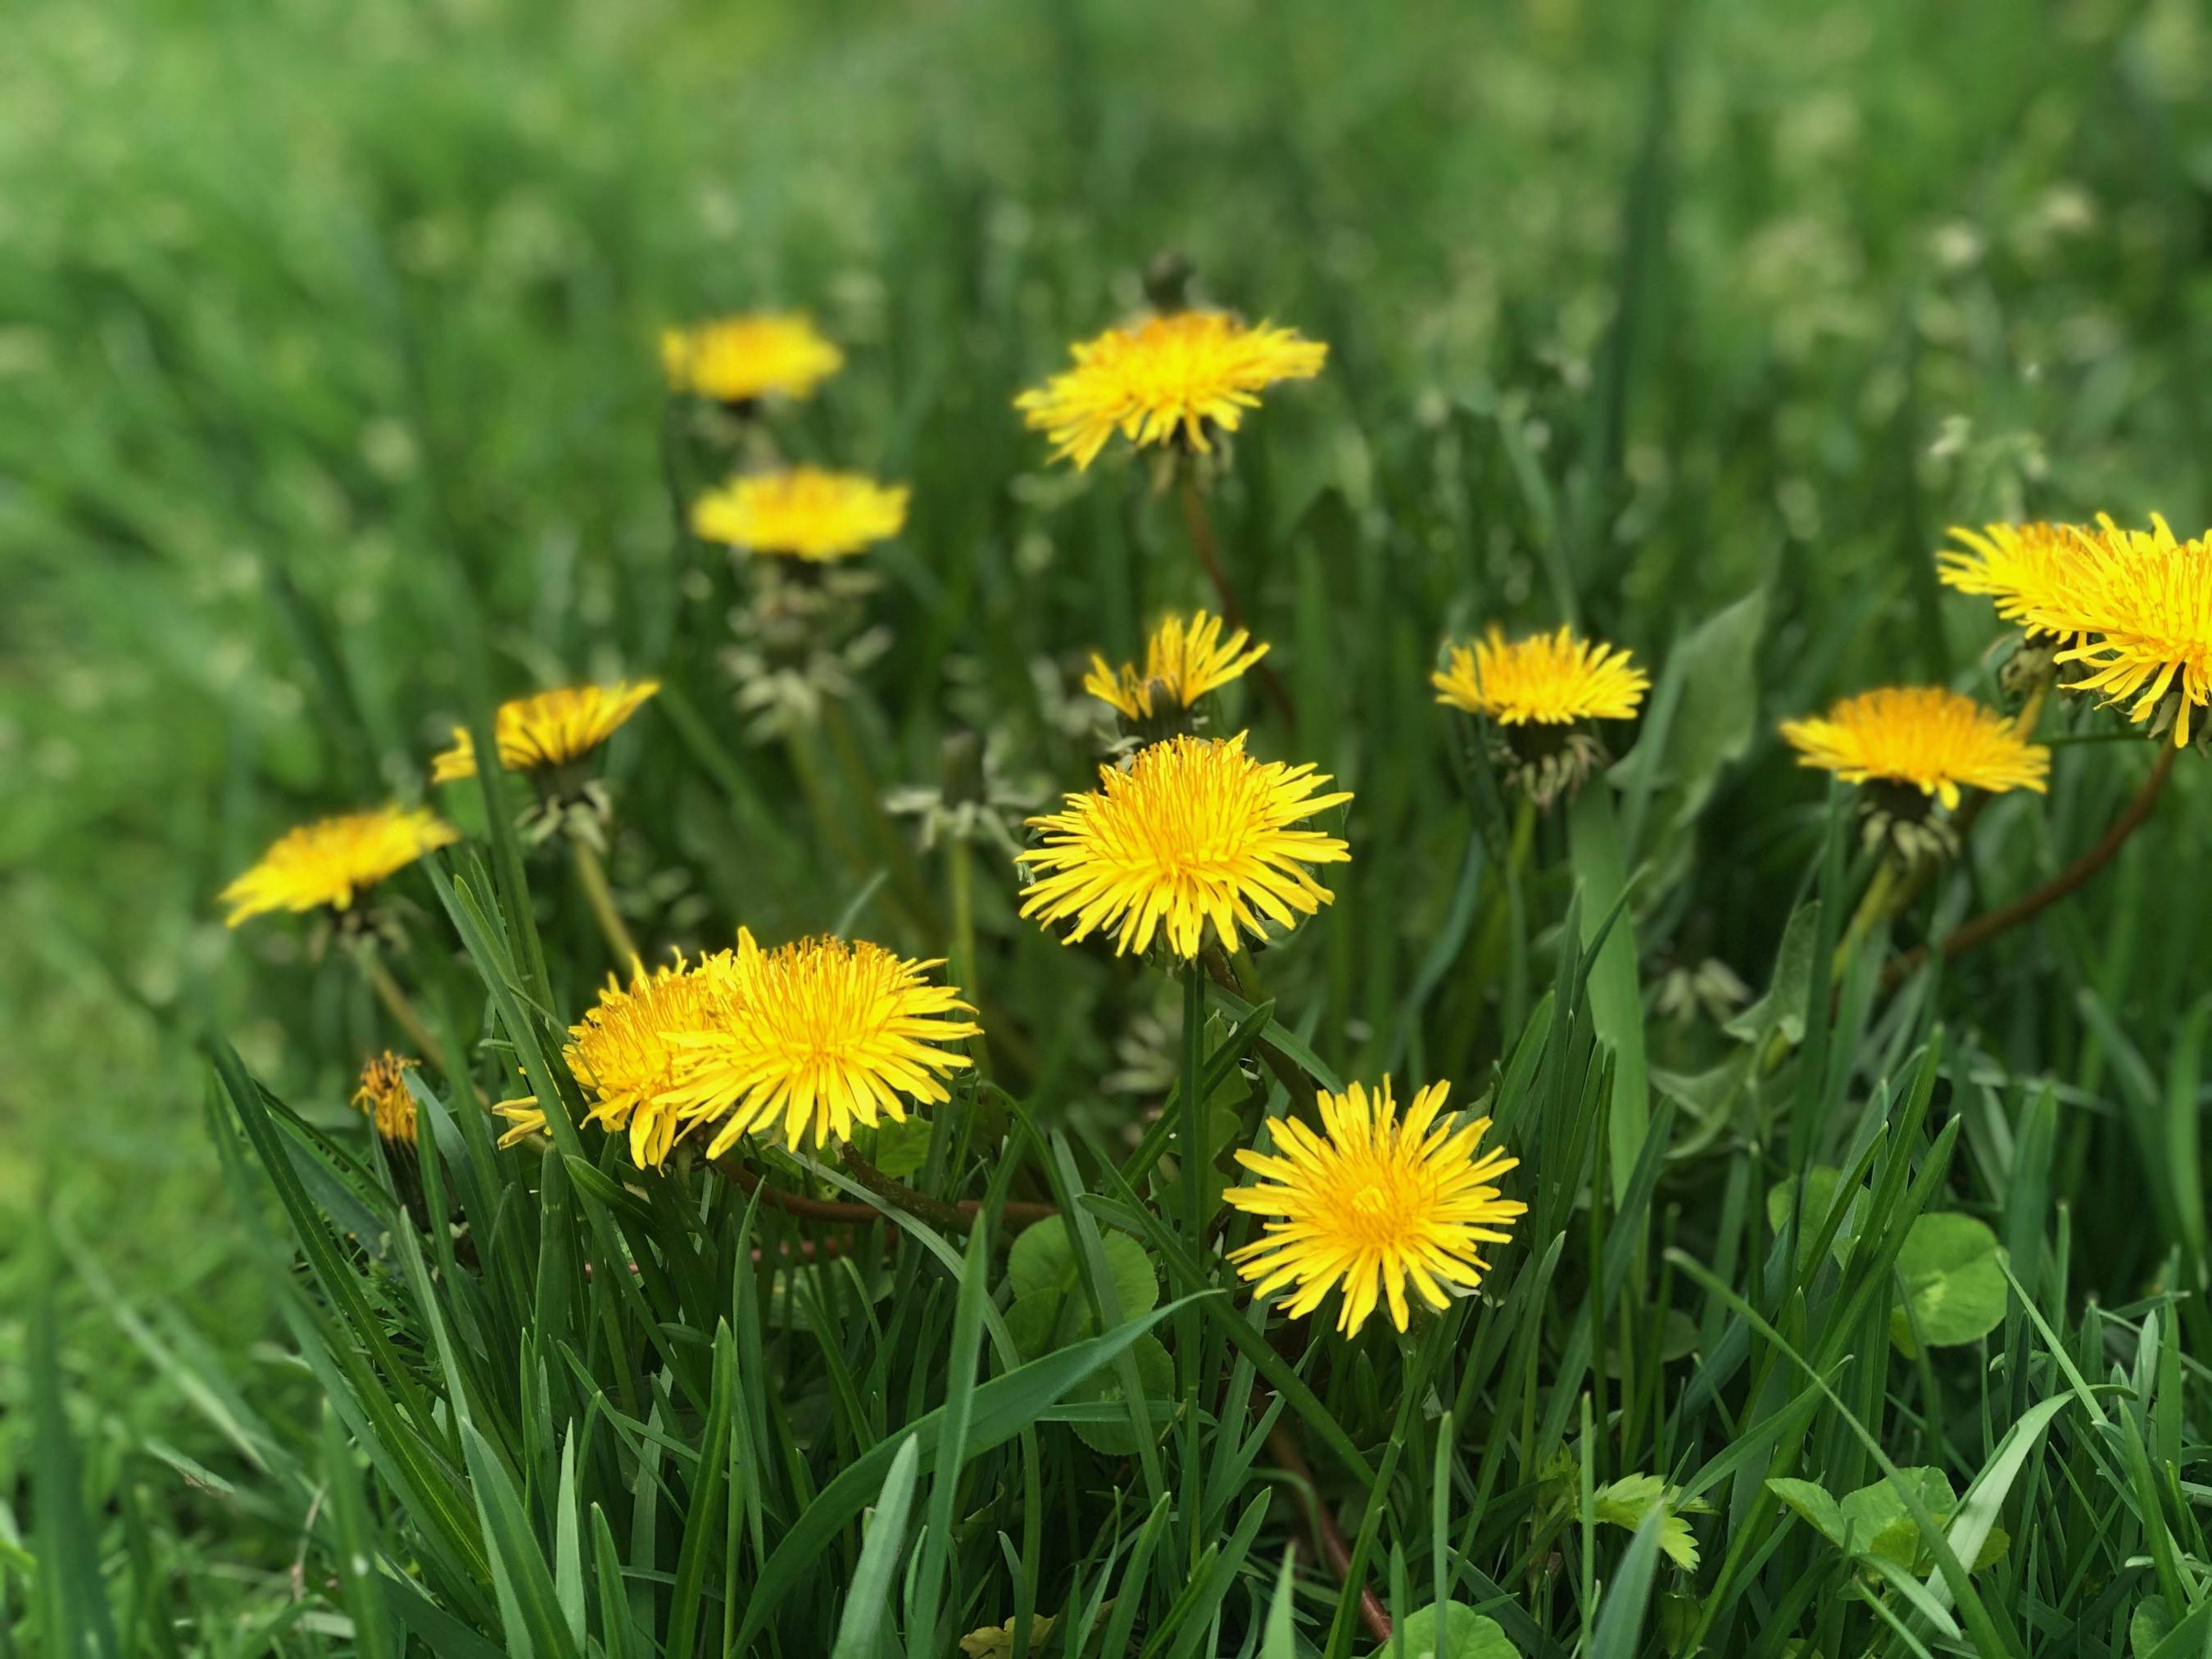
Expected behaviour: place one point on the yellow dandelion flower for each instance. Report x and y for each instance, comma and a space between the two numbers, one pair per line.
818, 1035
382, 1097
734, 360
1193, 833
1183, 661
551, 729
626, 1053
328, 861
1370, 1203
1552, 679
2023, 568
1925, 737
1165, 378
803, 514
2142, 604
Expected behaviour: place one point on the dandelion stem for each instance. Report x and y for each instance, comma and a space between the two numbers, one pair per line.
1199, 524
396, 1004
1990, 923
1193, 1180
591, 876
1237, 976
967, 973
1328, 1538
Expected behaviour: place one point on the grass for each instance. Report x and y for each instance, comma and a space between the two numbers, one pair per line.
332, 417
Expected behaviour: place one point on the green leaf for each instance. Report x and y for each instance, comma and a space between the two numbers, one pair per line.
1461, 1633
1954, 1285
869, 1597
1000, 1409
1625, 1503
359, 1584
530, 1613
1616, 1003
1879, 1522
1718, 714
1044, 1262
1813, 1503
902, 1148
2151, 1624
1155, 1377
1783, 1008
1821, 1183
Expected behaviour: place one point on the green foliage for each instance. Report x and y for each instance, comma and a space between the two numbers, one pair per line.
329, 415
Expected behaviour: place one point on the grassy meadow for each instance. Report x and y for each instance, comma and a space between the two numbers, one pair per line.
1858, 1306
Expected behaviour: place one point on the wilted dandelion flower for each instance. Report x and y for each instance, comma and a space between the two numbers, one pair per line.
1538, 691
2142, 603
806, 513
1183, 661
1372, 1202
625, 1053
1194, 832
327, 862
818, 1036
1172, 377
549, 731
382, 1097
735, 360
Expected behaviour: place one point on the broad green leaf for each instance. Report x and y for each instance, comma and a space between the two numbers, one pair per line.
1043, 1261
1461, 1633
1952, 1282
1879, 1522
902, 1148
1819, 1197
1814, 1505
2151, 1624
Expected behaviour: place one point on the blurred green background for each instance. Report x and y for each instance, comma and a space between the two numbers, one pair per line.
321, 324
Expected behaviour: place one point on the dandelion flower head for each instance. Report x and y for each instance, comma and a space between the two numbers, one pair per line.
820, 1035
2140, 602
734, 360
1551, 679
2024, 568
382, 1097
549, 730
1371, 1204
806, 513
1925, 737
328, 861
1193, 834
1183, 661
1163, 377
624, 1054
